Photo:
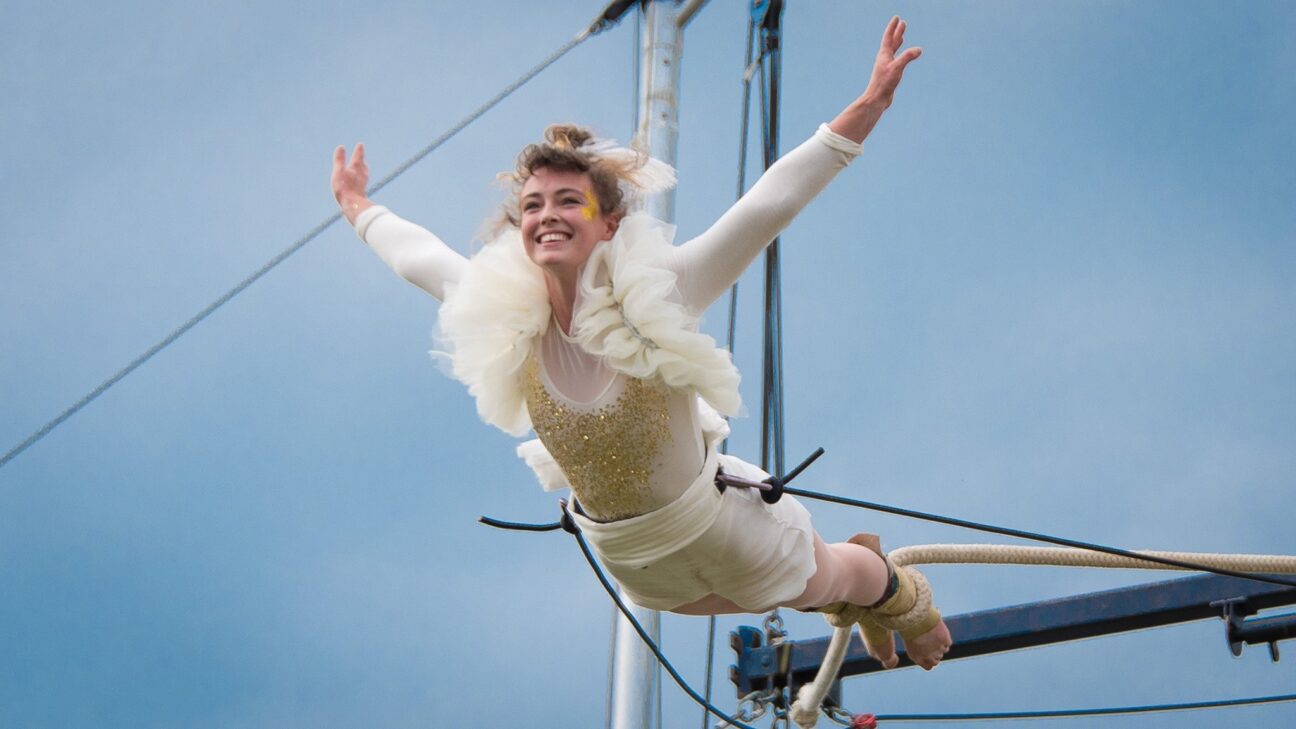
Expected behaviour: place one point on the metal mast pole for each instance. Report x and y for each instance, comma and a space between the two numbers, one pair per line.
636, 688
771, 54
661, 45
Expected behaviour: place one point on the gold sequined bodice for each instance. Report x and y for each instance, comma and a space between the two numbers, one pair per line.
608, 451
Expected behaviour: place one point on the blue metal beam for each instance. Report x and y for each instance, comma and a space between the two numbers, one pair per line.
1020, 626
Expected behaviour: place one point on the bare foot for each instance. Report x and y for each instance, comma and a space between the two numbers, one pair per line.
929, 648
880, 643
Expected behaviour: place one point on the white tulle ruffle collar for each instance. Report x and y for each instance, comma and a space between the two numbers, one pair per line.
626, 312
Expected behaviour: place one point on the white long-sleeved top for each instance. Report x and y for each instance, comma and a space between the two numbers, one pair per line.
628, 445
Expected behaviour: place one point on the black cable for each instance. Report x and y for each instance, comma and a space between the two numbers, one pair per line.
743, 128
771, 48
966, 524
518, 526
643, 635
1109, 711
705, 703
1033, 536
771, 424
605, 20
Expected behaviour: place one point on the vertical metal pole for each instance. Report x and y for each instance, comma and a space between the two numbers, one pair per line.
661, 45
772, 402
770, 23
636, 687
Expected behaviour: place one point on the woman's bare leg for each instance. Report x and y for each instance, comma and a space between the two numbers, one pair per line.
849, 572
843, 571
856, 574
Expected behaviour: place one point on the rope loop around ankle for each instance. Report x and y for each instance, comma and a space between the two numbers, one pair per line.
917, 618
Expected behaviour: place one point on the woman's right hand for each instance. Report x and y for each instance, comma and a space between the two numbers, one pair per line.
350, 181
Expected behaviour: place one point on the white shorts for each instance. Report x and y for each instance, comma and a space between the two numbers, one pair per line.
734, 545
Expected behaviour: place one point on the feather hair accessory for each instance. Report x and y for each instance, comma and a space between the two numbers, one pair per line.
646, 175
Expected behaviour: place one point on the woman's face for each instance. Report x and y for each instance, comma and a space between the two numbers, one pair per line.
561, 221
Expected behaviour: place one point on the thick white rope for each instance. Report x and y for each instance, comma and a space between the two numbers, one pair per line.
805, 712
1068, 557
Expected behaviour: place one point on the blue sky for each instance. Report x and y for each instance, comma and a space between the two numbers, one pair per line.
1058, 292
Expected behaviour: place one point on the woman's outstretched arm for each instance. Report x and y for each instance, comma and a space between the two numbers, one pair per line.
710, 263
414, 253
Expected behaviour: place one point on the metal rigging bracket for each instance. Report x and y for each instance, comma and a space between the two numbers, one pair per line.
1239, 628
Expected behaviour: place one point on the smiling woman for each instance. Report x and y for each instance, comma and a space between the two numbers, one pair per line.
580, 321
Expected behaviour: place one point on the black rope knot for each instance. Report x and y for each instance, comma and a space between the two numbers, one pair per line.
772, 487
566, 522
772, 494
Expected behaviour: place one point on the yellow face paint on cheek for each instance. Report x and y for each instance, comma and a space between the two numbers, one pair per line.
591, 209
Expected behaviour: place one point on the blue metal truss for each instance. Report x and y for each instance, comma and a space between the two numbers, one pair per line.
792, 663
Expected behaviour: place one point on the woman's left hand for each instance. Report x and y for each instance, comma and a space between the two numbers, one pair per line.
857, 120
888, 68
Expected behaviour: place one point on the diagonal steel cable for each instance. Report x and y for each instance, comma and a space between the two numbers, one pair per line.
602, 23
